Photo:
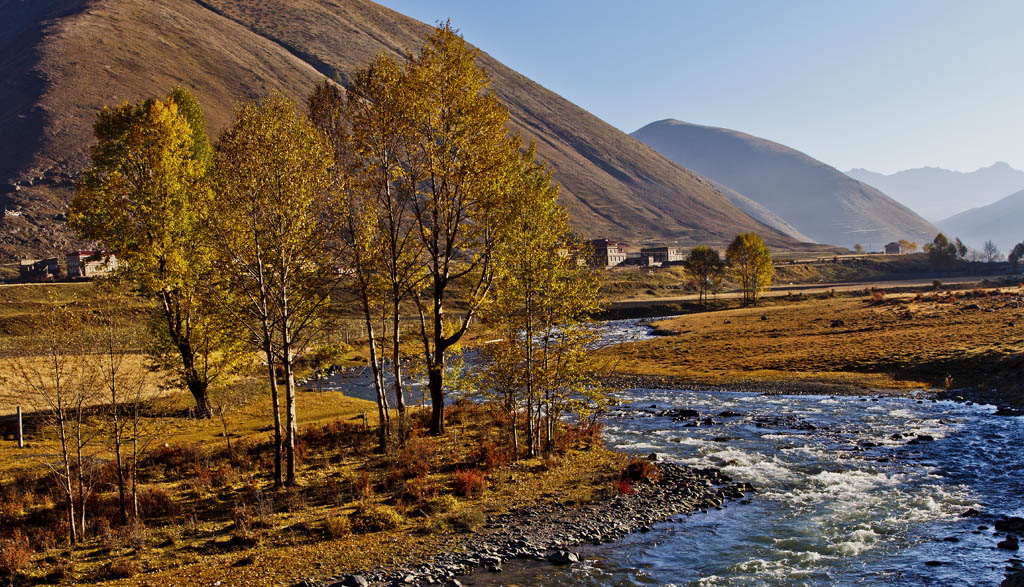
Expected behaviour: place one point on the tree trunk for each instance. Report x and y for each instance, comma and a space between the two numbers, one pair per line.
397, 367
383, 418
66, 485
197, 387
291, 426
276, 401
435, 383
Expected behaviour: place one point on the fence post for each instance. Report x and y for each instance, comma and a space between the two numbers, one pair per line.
21, 439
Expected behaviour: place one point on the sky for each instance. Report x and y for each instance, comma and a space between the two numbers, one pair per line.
880, 84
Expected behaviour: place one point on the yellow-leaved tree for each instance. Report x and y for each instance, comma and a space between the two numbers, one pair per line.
463, 168
751, 264
276, 207
145, 200
543, 297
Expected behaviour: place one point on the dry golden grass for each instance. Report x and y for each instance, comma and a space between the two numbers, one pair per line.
903, 341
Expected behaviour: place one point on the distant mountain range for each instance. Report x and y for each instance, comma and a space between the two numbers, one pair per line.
937, 193
999, 222
814, 198
63, 60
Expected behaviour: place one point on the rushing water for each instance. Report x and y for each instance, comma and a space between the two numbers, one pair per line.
840, 500
831, 507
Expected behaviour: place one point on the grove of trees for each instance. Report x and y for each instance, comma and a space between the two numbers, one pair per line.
404, 195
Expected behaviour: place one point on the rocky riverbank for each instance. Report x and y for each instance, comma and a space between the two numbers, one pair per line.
551, 531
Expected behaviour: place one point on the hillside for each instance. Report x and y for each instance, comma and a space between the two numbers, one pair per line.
937, 193
813, 197
998, 222
64, 60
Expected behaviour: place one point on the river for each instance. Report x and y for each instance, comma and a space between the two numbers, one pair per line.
850, 490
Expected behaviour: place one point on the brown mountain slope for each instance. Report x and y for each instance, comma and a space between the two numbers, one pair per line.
63, 60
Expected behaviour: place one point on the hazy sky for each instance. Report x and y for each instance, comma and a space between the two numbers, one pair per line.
881, 84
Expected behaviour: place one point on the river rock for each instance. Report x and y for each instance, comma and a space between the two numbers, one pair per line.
563, 557
1011, 524
1010, 543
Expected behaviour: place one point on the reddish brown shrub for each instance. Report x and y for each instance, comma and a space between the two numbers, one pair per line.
155, 502
640, 470
622, 486
421, 489
15, 554
583, 435
415, 458
468, 482
492, 456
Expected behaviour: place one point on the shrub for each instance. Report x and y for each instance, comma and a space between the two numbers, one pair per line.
416, 456
15, 554
363, 486
420, 489
937, 285
622, 486
121, 569
640, 470
175, 458
583, 436
877, 296
338, 526
467, 520
492, 456
468, 482
442, 504
376, 518
155, 502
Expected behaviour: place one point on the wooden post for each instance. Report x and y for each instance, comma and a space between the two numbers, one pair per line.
21, 439
366, 425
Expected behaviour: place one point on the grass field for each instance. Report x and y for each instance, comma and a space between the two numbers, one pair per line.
915, 340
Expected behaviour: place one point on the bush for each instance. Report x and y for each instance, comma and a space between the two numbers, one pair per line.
416, 456
467, 520
121, 569
420, 489
155, 502
640, 471
582, 436
492, 456
376, 518
622, 486
15, 554
442, 504
338, 526
468, 482
877, 296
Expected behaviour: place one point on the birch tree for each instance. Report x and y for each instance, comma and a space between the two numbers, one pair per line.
277, 167
542, 299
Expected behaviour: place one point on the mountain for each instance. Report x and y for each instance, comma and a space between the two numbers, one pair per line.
937, 193
816, 199
62, 60
999, 222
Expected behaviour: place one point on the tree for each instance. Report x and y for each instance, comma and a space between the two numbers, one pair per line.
145, 200
907, 246
1016, 255
122, 380
707, 269
858, 248
374, 141
542, 299
961, 248
990, 252
62, 386
751, 264
275, 169
463, 167
942, 253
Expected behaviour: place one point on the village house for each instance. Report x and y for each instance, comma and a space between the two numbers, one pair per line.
660, 255
607, 253
35, 269
894, 248
85, 264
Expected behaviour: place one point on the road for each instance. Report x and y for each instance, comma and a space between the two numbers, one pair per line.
784, 289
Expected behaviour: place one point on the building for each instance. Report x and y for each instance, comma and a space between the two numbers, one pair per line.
35, 269
894, 249
84, 264
660, 255
607, 253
